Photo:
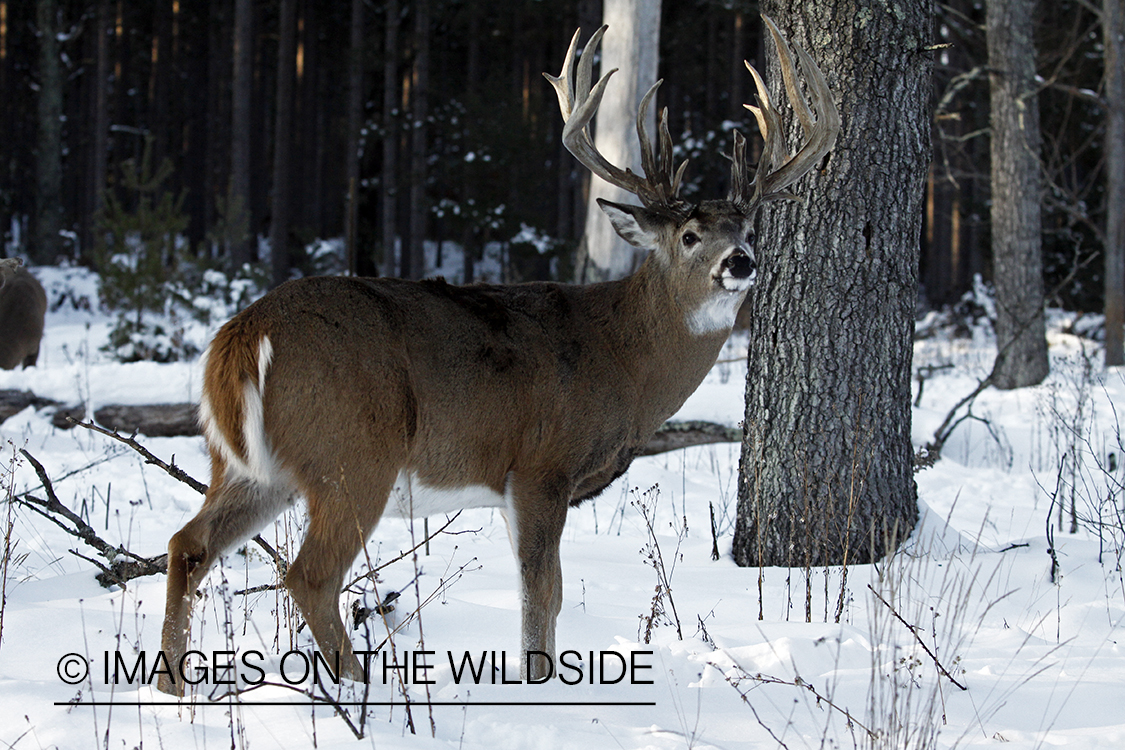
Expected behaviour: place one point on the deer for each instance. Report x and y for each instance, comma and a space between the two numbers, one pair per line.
23, 305
413, 398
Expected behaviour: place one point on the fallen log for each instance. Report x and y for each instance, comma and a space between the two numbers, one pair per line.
175, 420
154, 420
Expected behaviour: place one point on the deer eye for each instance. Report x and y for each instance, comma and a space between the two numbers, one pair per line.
690, 239
750, 239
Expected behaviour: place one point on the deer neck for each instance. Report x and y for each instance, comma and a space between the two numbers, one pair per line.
653, 341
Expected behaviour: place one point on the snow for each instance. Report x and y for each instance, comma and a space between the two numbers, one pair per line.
1043, 659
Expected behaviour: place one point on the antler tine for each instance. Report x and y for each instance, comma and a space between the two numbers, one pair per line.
578, 103
564, 87
820, 123
789, 76
648, 161
769, 124
739, 185
661, 175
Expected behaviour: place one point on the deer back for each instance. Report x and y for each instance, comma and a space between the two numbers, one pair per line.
455, 385
23, 305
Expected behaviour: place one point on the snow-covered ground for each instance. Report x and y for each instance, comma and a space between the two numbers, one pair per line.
1041, 657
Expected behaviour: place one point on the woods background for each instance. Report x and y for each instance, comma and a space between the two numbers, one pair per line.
454, 133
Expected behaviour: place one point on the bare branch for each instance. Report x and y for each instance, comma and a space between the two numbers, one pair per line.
180, 475
171, 469
120, 569
914, 632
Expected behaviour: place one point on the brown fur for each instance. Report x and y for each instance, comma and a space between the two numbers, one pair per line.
542, 393
542, 390
233, 359
23, 305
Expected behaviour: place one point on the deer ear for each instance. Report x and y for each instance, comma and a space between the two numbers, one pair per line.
636, 225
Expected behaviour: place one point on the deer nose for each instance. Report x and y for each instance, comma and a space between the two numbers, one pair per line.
740, 264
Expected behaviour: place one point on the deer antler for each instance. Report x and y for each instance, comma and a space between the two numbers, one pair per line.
819, 119
578, 103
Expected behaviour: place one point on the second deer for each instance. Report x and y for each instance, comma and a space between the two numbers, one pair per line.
23, 305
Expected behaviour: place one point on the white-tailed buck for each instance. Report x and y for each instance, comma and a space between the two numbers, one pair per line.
23, 304
531, 398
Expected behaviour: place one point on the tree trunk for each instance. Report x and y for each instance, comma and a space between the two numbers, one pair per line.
282, 145
238, 198
1017, 262
99, 153
632, 44
826, 470
1113, 31
414, 262
48, 162
389, 182
159, 101
355, 121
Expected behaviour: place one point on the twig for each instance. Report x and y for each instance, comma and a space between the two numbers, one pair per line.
324, 698
765, 679
942, 433
1011, 547
106, 572
174, 471
402, 555
179, 474
922, 643
119, 570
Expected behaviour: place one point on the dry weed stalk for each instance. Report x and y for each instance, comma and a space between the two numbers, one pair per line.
646, 505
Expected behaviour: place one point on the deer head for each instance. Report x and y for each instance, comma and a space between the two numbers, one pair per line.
369, 396
708, 247
8, 267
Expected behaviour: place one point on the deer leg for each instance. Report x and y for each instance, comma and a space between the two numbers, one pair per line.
233, 511
337, 532
537, 530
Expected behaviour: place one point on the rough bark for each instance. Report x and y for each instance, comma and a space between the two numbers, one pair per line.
631, 45
1017, 262
1113, 32
826, 469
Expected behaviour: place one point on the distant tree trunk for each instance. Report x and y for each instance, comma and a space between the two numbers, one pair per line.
355, 121
48, 161
632, 45
99, 153
471, 248
242, 76
159, 102
1113, 32
389, 181
826, 475
1017, 262
308, 135
414, 262
737, 67
283, 146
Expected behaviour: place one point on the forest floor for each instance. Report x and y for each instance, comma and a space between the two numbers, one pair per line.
999, 621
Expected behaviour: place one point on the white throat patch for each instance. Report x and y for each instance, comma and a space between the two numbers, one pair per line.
715, 314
